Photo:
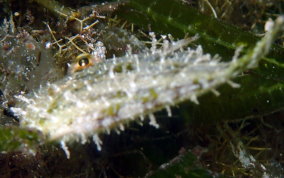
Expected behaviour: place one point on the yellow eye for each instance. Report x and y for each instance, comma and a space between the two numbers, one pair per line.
82, 61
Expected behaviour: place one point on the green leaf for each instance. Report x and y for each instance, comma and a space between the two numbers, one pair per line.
261, 89
178, 19
184, 165
18, 139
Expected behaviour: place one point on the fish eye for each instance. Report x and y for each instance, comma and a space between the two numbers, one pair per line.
83, 62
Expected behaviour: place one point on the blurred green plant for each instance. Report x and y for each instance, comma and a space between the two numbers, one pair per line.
18, 139
261, 89
184, 165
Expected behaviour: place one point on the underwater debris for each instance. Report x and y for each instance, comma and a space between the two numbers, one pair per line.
119, 90
23, 63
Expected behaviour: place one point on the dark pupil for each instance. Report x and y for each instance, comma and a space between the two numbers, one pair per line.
83, 61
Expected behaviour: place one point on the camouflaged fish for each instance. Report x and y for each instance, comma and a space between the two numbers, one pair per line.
116, 91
